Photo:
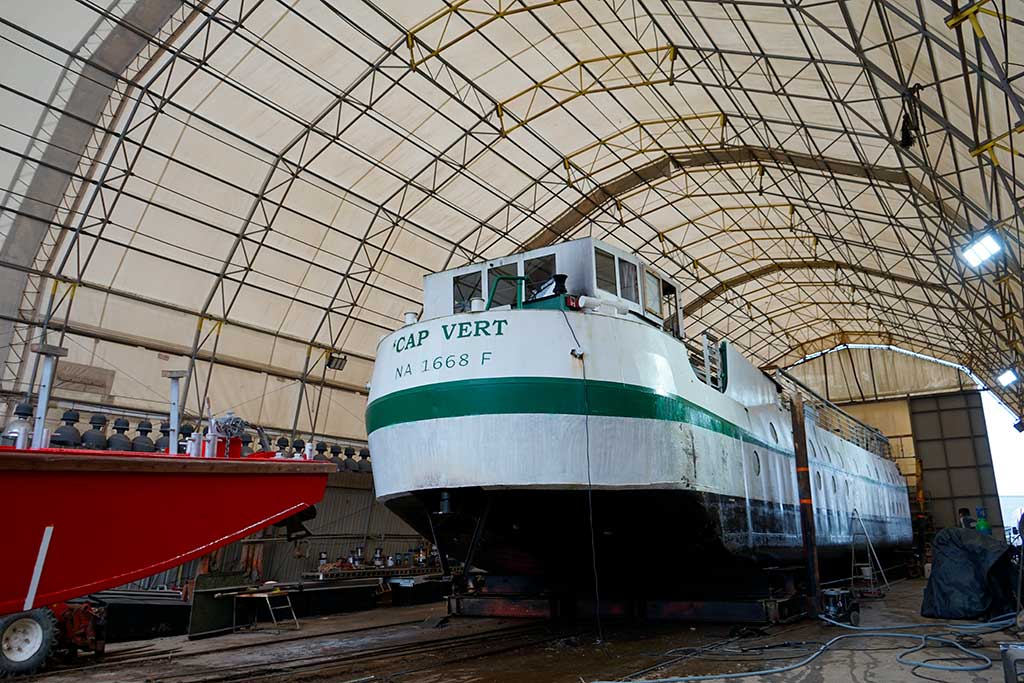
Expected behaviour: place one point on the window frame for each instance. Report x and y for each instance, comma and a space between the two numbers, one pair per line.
529, 284
619, 262
615, 271
658, 312
479, 289
515, 265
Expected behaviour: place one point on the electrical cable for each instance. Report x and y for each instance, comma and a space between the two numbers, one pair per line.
590, 483
895, 631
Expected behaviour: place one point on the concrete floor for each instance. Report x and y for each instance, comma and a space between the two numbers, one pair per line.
371, 646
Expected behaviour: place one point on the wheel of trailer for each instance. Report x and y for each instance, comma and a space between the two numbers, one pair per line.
855, 618
26, 641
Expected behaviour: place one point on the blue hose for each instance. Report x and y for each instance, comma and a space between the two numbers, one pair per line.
867, 632
998, 623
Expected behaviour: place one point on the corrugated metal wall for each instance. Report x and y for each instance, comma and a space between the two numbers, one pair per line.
349, 515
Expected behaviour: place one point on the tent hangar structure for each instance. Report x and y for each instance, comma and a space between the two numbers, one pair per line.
574, 315
252, 190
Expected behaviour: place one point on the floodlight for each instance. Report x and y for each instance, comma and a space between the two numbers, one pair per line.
981, 249
1007, 378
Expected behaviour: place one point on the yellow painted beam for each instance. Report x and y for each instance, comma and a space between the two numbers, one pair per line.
725, 209
574, 81
506, 8
625, 147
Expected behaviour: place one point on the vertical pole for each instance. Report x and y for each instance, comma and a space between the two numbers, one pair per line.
707, 359
50, 354
45, 382
302, 394
804, 489
175, 411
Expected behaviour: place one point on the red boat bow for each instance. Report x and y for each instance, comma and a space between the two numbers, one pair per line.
84, 521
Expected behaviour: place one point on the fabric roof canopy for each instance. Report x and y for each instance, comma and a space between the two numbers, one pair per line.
245, 186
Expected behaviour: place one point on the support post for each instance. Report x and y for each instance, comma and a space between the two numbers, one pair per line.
50, 354
175, 412
805, 491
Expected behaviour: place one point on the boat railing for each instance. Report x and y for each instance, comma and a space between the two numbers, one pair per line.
705, 359
520, 284
832, 418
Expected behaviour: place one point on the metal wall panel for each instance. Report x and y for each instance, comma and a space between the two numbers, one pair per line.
349, 515
951, 440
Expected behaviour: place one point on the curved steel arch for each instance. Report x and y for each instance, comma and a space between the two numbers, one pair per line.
815, 264
717, 156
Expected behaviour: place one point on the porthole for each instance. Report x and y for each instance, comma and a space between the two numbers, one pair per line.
757, 464
814, 451
834, 487
775, 434
817, 480
847, 488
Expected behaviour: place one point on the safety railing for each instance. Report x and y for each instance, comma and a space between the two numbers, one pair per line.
705, 358
520, 285
830, 417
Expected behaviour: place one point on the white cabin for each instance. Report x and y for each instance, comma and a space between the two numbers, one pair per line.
593, 269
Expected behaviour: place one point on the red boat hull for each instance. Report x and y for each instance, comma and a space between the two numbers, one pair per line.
84, 521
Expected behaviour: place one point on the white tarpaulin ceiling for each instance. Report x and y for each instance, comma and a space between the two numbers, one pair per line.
242, 186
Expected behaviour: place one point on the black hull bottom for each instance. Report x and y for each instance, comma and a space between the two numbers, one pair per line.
650, 542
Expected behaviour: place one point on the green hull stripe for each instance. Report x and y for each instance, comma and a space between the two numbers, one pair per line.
547, 395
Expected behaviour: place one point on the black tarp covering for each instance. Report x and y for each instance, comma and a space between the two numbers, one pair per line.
971, 577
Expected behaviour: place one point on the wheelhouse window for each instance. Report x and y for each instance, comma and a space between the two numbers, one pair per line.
670, 310
505, 292
464, 288
538, 272
604, 269
652, 293
629, 288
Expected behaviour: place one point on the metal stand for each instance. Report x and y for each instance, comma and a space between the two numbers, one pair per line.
531, 596
175, 412
864, 571
1013, 660
50, 354
271, 608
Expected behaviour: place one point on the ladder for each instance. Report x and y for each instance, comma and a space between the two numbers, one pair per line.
287, 605
864, 572
269, 596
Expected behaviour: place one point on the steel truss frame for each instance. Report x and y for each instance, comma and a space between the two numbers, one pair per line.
791, 232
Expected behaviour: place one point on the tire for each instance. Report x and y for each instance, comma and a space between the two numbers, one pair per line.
27, 640
855, 618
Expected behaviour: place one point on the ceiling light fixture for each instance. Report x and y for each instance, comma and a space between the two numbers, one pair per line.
981, 249
336, 361
1007, 378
